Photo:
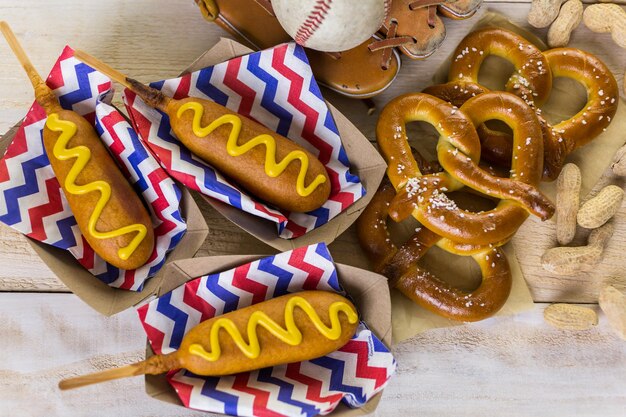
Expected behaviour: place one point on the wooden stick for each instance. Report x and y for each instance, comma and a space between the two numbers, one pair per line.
103, 376
151, 96
21, 56
154, 365
103, 68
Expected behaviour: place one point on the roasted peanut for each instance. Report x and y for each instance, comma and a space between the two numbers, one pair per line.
569, 18
570, 317
603, 18
565, 260
599, 209
567, 201
619, 161
543, 12
613, 304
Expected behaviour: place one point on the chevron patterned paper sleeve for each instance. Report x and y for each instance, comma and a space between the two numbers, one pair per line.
352, 374
33, 203
276, 88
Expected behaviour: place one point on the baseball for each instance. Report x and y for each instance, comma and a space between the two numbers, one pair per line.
330, 25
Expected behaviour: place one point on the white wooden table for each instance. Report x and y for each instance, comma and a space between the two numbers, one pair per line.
503, 366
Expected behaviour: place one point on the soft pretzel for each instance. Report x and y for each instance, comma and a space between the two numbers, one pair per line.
458, 152
533, 82
455, 92
602, 94
399, 265
496, 146
568, 135
532, 79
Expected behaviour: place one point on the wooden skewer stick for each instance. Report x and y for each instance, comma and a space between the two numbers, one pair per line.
21, 56
108, 375
43, 94
103, 68
154, 365
150, 95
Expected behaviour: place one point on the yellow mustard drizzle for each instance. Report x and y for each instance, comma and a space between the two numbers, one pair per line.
82, 155
272, 168
291, 335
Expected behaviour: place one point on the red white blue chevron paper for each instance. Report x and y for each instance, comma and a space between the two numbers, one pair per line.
276, 88
33, 203
353, 374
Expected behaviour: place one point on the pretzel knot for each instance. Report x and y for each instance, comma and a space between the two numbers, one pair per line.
496, 146
532, 81
458, 151
421, 286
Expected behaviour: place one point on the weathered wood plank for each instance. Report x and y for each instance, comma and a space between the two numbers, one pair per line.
510, 366
50, 336
22, 269
503, 366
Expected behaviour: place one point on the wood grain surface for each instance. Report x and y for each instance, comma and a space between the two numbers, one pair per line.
506, 366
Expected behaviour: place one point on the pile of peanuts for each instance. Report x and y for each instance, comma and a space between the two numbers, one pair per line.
563, 16
595, 214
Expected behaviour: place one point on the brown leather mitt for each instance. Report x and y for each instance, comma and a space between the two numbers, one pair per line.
413, 27
360, 72
459, 9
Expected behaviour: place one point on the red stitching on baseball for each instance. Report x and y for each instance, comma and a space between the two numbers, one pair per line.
313, 21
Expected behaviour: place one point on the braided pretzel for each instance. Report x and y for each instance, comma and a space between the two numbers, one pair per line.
458, 151
421, 286
466, 249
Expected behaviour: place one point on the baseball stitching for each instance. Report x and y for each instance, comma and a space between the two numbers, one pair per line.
387, 7
313, 21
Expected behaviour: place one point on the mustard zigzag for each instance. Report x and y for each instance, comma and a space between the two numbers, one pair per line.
291, 335
83, 155
272, 168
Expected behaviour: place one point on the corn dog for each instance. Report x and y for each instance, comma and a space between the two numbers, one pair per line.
291, 328
270, 166
108, 211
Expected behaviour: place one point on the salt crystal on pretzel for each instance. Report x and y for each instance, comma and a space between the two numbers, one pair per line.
458, 152
532, 81
399, 264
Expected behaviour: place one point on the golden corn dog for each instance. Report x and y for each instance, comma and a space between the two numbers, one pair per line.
270, 166
108, 211
291, 328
